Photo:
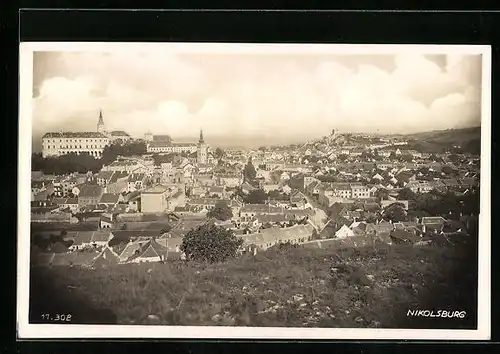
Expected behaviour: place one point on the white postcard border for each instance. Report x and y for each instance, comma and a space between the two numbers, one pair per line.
32, 331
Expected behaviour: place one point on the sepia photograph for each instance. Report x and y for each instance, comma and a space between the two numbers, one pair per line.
254, 191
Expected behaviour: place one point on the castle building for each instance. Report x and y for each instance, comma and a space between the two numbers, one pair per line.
202, 151
164, 144
63, 143
92, 143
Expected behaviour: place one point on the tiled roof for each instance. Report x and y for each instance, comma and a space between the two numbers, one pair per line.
74, 258
187, 224
130, 250
83, 237
109, 198
161, 138
126, 235
261, 208
155, 190
149, 252
119, 133
100, 237
74, 135
107, 256
433, 220
89, 191
203, 201
170, 243
405, 236
274, 234
135, 177
106, 175
264, 218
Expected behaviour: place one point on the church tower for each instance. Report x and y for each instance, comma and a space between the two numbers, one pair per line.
100, 124
201, 152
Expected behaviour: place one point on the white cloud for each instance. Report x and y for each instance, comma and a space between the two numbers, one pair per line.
169, 94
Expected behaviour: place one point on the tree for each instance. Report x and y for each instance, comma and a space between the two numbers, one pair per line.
219, 153
381, 194
367, 155
407, 158
257, 196
395, 213
65, 164
166, 229
342, 157
249, 172
209, 243
454, 158
129, 148
221, 211
276, 195
448, 170
159, 159
406, 194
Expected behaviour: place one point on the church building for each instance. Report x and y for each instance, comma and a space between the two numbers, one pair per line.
202, 151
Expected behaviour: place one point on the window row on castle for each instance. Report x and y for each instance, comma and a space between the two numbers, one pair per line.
78, 140
92, 153
73, 147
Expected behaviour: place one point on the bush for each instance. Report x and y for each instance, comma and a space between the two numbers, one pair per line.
209, 243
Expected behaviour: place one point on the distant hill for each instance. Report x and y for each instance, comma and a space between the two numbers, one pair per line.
469, 139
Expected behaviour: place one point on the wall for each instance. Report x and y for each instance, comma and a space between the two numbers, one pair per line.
153, 202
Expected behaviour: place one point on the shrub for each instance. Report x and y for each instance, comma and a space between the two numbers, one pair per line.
286, 246
209, 243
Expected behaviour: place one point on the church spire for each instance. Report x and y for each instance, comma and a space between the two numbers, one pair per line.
100, 123
101, 120
201, 137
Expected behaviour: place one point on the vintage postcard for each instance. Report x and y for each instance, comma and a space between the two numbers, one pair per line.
254, 191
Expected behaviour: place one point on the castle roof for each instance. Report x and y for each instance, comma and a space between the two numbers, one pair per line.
74, 135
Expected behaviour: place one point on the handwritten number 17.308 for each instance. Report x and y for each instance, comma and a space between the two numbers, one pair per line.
56, 317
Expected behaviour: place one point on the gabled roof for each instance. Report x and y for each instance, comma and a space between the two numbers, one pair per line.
107, 256
129, 250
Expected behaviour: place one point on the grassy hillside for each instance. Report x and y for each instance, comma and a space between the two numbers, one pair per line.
439, 140
300, 287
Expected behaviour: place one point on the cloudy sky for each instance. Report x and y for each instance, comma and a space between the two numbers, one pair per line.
276, 97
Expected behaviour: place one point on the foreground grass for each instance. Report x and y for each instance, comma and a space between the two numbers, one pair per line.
300, 287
